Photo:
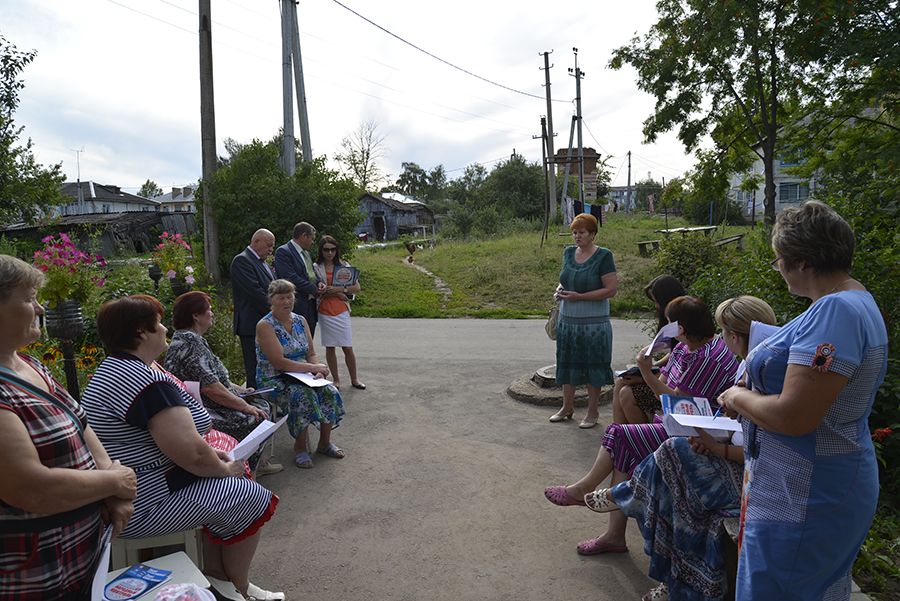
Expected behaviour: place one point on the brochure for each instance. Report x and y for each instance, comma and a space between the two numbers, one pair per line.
260, 435
344, 275
308, 379
682, 414
634, 372
244, 395
663, 341
134, 582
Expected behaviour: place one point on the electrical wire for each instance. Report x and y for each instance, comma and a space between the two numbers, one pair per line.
437, 58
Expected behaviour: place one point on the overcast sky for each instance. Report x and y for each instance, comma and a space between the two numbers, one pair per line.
120, 80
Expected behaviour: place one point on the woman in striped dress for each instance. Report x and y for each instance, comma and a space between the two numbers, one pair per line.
149, 424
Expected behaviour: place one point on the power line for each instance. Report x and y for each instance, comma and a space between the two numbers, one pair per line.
437, 58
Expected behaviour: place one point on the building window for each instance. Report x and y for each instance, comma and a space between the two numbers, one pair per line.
793, 192
106, 208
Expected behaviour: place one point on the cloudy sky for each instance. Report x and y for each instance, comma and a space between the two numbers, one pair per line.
119, 79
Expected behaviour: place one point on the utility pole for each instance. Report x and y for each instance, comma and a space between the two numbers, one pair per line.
80, 198
547, 203
628, 195
578, 75
305, 144
208, 142
288, 162
565, 191
551, 166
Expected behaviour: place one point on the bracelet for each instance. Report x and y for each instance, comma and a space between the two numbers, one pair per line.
726, 450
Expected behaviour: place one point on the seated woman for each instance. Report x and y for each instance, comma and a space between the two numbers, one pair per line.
150, 424
681, 494
57, 485
700, 365
283, 346
189, 358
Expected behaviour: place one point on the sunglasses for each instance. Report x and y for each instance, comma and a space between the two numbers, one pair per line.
329, 249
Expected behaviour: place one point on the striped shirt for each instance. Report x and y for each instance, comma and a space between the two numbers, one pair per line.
706, 372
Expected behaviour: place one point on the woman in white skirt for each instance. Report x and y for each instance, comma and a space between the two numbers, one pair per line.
334, 312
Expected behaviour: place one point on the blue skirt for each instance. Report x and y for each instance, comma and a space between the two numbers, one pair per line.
584, 351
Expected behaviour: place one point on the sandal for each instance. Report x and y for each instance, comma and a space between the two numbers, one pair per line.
660, 593
301, 458
255, 593
595, 546
332, 451
599, 501
558, 496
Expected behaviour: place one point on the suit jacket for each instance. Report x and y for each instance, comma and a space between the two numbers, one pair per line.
289, 265
250, 279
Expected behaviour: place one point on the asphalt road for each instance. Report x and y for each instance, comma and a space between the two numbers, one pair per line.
440, 495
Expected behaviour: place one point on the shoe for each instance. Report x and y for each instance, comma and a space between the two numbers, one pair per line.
598, 501
269, 468
660, 593
595, 546
332, 451
225, 589
254, 593
588, 422
303, 458
558, 496
359, 386
558, 417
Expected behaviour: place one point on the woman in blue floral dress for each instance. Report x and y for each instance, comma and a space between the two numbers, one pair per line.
282, 346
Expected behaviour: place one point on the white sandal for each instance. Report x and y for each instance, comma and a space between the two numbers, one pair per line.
660, 593
599, 501
254, 593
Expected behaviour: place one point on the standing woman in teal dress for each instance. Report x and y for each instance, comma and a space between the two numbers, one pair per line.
583, 333
810, 473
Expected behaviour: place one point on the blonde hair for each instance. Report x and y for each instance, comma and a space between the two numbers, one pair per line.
15, 273
736, 314
277, 287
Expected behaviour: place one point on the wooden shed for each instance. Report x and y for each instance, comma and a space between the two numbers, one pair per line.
388, 218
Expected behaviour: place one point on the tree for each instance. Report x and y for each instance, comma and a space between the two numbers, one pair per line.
251, 191
515, 188
150, 190
28, 190
413, 180
735, 69
645, 188
361, 150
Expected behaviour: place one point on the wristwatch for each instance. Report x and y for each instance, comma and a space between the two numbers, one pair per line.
345, 290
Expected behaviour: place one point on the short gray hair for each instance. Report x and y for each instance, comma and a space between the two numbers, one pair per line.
816, 234
277, 287
15, 273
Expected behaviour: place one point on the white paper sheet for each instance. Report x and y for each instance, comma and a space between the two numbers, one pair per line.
255, 439
664, 339
99, 582
309, 380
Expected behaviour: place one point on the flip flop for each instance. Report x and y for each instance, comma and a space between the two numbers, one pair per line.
596, 546
332, 451
558, 496
303, 458
225, 588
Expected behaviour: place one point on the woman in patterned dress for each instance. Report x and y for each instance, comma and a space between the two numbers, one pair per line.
57, 483
810, 472
189, 358
583, 333
282, 346
151, 425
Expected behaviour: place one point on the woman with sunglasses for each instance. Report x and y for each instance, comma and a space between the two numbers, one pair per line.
334, 312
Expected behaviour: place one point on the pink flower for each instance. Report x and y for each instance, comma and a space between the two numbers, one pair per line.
189, 279
47, 239
189, 269
63, 236
171, 274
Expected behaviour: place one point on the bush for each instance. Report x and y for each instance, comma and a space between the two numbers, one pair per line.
684, 258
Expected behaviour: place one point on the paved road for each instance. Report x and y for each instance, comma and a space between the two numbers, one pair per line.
441, 493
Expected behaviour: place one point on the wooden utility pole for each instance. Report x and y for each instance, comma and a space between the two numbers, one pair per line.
208, 142
551, 166
305, 144
288, 163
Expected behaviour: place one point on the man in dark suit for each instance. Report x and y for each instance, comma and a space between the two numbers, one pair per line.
293, 263
250, 279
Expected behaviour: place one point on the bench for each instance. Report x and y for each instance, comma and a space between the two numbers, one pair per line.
732, 528
642, 247
739, 238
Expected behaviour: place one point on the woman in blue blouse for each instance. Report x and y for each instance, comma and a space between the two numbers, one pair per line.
583, 333
811, 478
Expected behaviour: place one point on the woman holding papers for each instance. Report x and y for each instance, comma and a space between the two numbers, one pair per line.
700, 365
282, 347
58, 485
583, 333
151, 425
334, 312
811, 477
681, 494
189, 358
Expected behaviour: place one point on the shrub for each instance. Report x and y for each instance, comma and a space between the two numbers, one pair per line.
684, 258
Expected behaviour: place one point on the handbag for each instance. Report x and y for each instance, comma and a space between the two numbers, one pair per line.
550, 326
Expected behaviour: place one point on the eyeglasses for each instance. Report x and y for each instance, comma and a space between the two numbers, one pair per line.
329, 249
775, 264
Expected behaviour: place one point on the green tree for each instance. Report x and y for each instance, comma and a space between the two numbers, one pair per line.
645, 188
28, 190
515, 188
734, 69
150, 190
361, 150
251, 191
413, 180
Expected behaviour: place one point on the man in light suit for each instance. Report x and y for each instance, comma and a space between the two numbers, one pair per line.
294, 263
250, 279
